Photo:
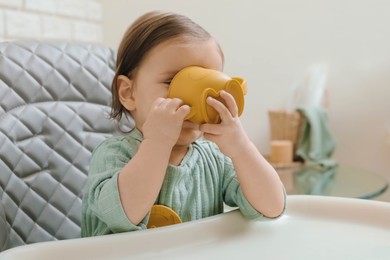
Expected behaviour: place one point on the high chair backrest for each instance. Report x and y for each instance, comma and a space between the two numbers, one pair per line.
54, 109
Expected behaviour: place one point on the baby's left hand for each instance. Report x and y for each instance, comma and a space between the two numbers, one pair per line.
229, 135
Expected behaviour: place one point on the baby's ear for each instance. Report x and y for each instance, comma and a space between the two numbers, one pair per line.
125, 92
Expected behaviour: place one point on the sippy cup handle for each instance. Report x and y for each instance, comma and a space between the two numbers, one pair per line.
237, 88
210, 115
242, 83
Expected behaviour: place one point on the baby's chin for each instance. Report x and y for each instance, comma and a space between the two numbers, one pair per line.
189, 135
190, 125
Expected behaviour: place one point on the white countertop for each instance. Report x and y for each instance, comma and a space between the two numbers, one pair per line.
313, 227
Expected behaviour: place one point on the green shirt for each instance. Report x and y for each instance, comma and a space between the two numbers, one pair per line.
197, 188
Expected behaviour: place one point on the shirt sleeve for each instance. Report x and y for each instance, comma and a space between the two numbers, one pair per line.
234, 197
104, 201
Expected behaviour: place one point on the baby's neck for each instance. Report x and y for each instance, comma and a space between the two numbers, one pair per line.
177, 154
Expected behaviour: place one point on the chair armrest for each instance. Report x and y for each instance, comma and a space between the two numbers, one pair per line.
4, 229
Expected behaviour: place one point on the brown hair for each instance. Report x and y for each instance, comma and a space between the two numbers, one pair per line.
147, 32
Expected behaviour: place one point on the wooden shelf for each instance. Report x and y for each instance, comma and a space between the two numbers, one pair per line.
284, 165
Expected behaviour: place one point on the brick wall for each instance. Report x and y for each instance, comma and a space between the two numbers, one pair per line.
70, 20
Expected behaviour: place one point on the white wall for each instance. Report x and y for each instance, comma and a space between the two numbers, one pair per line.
273, 44
69, 20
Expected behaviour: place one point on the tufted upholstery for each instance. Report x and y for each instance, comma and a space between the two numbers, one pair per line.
54, 104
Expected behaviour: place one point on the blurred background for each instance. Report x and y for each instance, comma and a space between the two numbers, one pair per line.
273, 44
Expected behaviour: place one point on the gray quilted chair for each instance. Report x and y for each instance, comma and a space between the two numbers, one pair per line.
54, 105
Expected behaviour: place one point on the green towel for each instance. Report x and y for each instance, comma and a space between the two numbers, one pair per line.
315, 144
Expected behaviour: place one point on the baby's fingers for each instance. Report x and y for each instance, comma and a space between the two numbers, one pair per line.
219, 107
230, 103
183, 111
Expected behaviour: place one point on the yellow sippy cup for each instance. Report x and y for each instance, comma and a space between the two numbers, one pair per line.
194, 84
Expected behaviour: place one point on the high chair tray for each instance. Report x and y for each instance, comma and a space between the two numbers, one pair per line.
313, 227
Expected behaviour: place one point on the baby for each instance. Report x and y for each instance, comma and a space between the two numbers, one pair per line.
192, 169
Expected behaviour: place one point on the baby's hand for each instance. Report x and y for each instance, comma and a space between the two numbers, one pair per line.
164, 121
229, 135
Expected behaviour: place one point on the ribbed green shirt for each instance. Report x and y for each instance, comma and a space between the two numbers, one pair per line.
197, 188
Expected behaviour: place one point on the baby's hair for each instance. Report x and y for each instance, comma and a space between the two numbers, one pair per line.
148, 31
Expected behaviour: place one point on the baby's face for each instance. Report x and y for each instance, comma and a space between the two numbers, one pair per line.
157, 69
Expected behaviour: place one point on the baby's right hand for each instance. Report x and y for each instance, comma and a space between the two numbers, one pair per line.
164, 121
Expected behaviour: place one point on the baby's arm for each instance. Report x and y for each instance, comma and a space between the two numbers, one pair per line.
259, 181
141, 179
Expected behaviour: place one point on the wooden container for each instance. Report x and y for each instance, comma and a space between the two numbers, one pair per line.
281, 151
285, 125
